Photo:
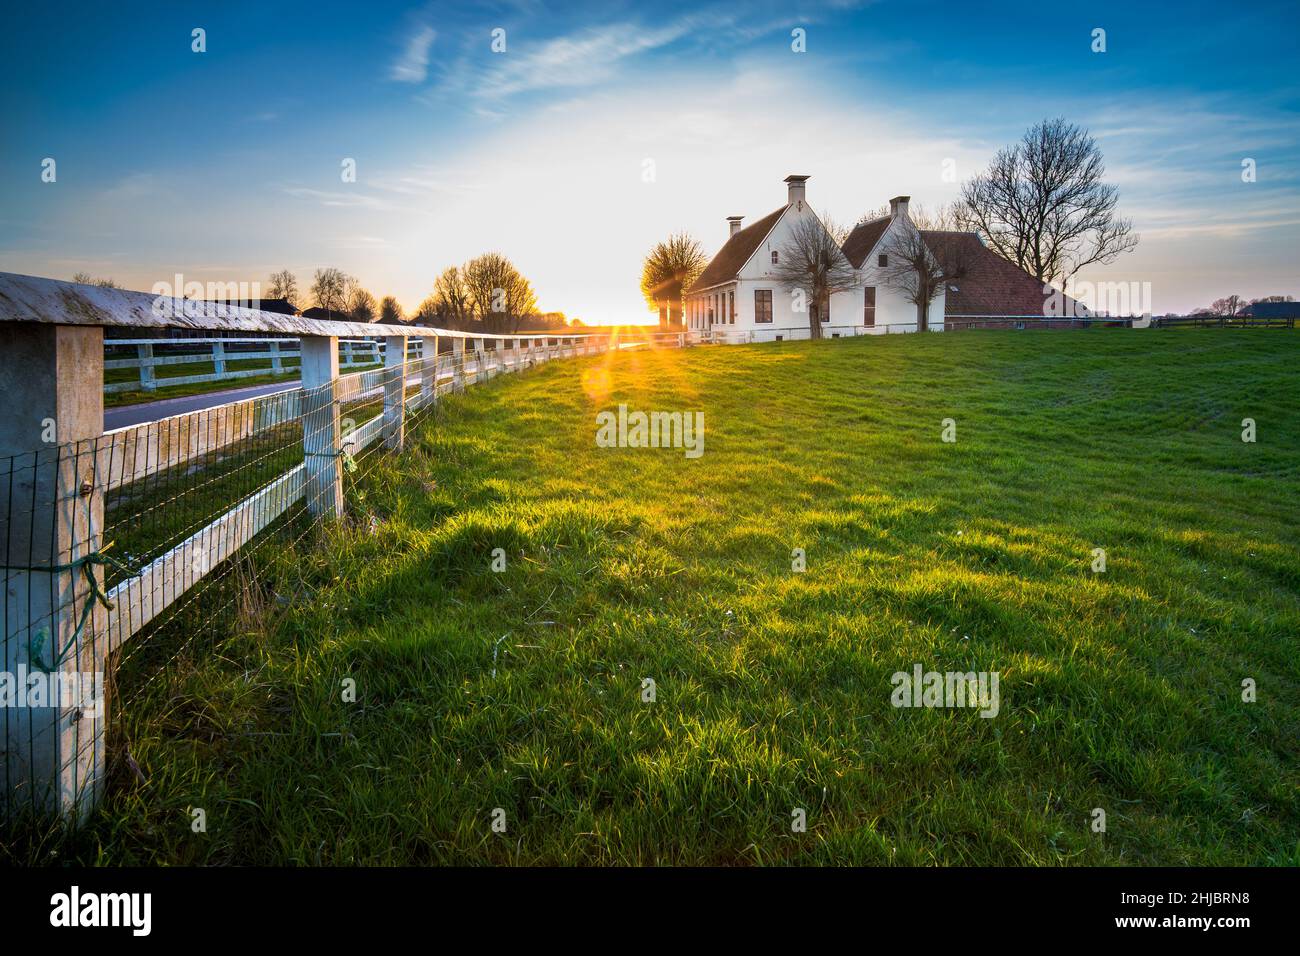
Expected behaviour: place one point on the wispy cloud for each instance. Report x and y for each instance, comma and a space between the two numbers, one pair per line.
336, 199
413, 65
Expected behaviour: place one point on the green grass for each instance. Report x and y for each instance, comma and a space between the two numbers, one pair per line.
522, 690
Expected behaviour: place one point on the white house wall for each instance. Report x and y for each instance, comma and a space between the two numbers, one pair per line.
894, 311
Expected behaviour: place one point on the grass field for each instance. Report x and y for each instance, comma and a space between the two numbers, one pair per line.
522, 690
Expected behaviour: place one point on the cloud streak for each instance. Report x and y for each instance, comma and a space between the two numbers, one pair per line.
413, 65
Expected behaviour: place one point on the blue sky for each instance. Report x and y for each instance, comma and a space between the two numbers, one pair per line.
225, 165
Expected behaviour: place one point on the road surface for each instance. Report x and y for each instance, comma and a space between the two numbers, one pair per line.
126, 415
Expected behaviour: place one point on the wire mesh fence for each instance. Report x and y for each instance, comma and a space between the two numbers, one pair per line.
130, 557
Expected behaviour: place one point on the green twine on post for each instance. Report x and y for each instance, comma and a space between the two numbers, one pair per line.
86, 565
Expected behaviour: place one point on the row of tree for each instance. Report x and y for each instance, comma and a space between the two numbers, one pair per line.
486, 294
1042, 204
1236, 304
338, 294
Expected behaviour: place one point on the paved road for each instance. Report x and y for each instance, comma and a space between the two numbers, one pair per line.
152, 411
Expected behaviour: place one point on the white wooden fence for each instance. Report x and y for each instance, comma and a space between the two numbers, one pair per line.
57, 467
273, 357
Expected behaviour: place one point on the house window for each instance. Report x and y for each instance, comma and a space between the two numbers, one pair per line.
882, 260
869, 307
762, 305
775, 257
731, 306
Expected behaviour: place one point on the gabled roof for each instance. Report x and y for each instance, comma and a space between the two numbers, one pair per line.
278, 306
316, 312
863, 239
991, 285
731, 258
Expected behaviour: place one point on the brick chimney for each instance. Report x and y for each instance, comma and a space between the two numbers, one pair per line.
734, 222
796, 184
898, 207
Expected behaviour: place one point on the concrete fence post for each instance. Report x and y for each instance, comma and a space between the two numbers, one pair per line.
458, 364
145, 354
51, 387
428, 369
276, 365
321, 434
219, 358
395, 391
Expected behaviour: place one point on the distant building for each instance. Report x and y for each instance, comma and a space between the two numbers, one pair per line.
1273, 310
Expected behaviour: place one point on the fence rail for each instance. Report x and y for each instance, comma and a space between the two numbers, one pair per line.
1225, 321
271, 357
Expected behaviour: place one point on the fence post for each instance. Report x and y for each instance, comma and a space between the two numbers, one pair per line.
145, 354
458, 364
347, 354
428, 369
321, 434
394, 391
219, 358
51, 387
276, 366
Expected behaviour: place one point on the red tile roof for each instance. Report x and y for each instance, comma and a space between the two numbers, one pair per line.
863, 239
732, 257
991, 285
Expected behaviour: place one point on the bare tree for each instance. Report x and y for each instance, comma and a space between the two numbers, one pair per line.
85, 278
499, 295
521, 300
920, 270
1228, 305
283, 285
810, 264
450, 303
944, 217
390, 312
361, 305
1042, 204
670, 267
329, 289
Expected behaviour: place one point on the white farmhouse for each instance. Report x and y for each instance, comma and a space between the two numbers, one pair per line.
737, 296
738, 293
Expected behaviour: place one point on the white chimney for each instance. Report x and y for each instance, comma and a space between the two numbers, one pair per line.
734, 222
796, 188
898, 207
